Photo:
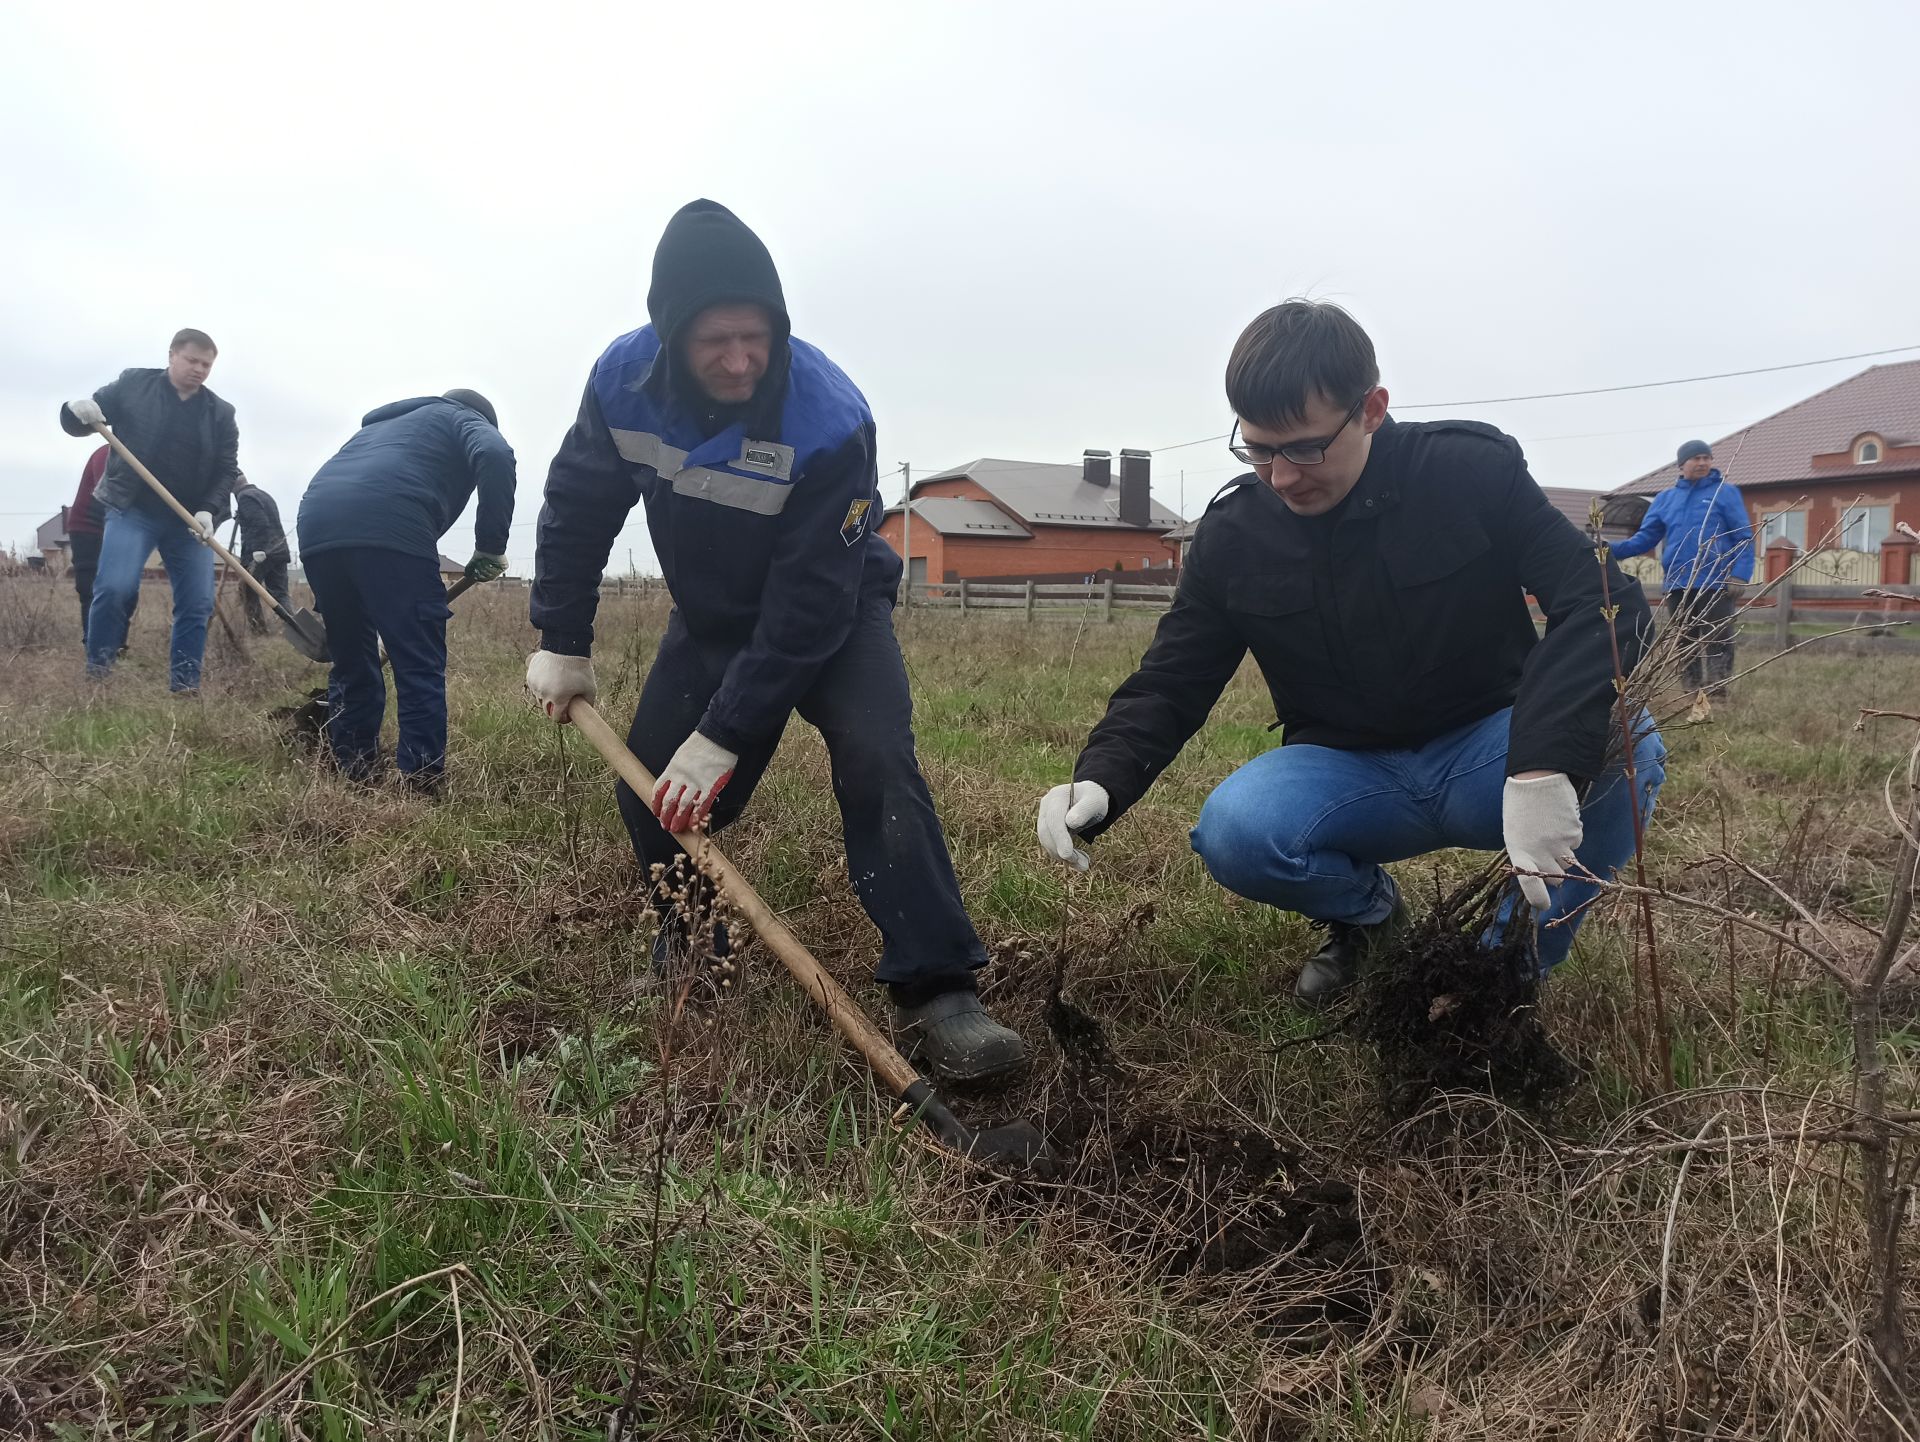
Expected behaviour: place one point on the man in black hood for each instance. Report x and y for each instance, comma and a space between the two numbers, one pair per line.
754, 456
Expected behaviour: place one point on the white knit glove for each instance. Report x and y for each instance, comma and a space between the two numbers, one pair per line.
203, 522
87, 411
555, 680
1063, 811
258, 557
690, 783
1540, 821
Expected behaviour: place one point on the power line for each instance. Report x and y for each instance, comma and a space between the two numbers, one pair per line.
1604, 390
1654, 385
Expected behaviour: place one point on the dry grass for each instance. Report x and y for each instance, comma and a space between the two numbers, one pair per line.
333, 1113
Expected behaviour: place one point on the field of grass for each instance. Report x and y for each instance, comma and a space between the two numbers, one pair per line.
331, 1113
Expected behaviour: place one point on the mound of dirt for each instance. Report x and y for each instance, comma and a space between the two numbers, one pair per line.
1190, 1194
1445, 1011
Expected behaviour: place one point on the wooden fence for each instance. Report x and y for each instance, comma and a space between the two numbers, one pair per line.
1773, 611
1786, 604
1039, 600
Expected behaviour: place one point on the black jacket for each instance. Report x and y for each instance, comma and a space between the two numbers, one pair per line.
136, 406
1400, 618
260, 528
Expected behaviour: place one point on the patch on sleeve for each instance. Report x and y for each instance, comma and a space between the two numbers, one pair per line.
855, 524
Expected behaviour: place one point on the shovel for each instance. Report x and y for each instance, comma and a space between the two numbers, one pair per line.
304, 630
1018, 1142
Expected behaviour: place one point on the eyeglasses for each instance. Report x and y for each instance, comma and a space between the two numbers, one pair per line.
1299, 453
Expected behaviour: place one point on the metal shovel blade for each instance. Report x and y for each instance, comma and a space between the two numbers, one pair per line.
306, 633
1015, 1144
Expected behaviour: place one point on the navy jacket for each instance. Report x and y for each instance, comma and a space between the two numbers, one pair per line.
1708, 539
406, 476
1399, 618
767, 540
137, 407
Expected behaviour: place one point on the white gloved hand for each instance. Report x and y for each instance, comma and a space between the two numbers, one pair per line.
87, 411
691, 782
1063, 811
555, 680
203, 521
258, 557
1540, 821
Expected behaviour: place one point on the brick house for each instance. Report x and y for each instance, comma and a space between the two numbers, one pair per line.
996, 520
1575, 505
1830, 474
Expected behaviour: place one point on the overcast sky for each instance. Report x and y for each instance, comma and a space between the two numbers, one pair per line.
1023, 228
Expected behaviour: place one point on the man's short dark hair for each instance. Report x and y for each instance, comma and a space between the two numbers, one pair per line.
190, 336
1293, 352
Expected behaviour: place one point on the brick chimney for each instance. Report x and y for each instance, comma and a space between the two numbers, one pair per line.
1136, 493
1096, 467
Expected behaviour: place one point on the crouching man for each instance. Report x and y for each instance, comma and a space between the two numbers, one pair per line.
1379, 572
754, 457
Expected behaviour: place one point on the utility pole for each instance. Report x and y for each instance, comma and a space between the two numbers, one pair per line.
906, 532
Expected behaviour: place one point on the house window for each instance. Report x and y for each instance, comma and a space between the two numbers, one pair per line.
1863, 528
1866, 453
1789, 526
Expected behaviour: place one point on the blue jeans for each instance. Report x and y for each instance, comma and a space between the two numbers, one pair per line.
130, 537
1306, 828
367, 595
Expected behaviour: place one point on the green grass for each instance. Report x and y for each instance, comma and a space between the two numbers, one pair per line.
271, 1046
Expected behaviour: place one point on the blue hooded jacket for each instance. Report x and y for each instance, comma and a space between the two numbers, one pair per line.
1708, 539
765, 529
406, 476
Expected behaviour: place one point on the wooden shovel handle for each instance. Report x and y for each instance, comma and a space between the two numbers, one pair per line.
841, 1009
233, 561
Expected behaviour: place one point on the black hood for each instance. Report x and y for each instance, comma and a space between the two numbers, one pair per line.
707, 257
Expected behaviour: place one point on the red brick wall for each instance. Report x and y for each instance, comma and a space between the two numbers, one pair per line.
1823, 501
1053, 550
926, 542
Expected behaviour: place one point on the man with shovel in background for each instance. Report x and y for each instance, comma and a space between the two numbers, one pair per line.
263, 547
1706, 551
754, 456
1379, 572
190, 441
370, 527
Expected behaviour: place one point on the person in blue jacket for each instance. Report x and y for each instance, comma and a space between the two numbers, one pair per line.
1707, 550
369, 528
754, 457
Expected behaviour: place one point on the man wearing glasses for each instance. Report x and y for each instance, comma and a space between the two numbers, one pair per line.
1379, 573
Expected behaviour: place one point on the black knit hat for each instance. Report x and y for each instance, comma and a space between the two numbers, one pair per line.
707, 257
1695, 448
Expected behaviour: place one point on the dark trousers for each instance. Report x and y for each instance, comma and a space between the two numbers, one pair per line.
1706, 618
86, 565
367, 595
896, 853
271, 573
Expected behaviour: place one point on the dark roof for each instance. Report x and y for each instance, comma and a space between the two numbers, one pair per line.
961, 516
1884, 400
1045, 494
1575, 505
